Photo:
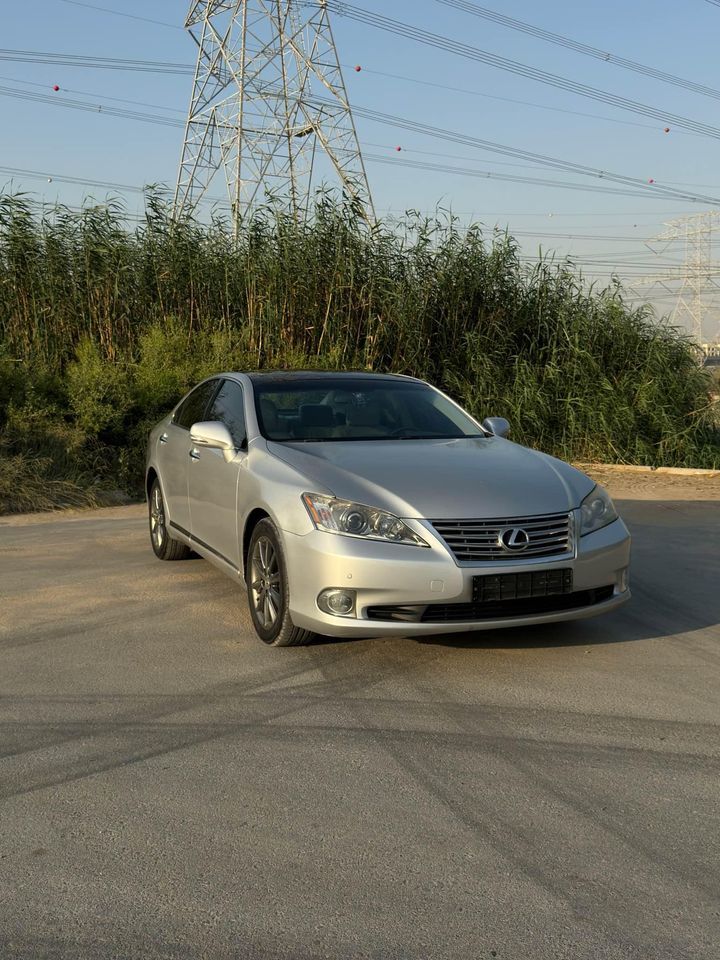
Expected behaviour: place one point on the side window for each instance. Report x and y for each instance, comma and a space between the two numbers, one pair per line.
192, 409
228, 407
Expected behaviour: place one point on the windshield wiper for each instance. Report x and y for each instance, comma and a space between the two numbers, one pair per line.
406, 436
435, 436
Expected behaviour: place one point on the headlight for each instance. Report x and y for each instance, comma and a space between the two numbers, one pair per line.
356, 520
597, 511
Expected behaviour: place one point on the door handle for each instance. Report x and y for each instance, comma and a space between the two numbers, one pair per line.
164, 438
194, 454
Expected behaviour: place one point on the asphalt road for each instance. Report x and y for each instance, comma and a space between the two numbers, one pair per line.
171, 788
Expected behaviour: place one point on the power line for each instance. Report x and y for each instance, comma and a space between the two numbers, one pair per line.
104, 184
88, 93
96, 63
501, 18
109, 63
410, 32
87, 107
133, 188
524, 103
118, 13
507, 177
584, 236
150, 118
551, 162
523, 27
638, 187
64, 178
173, 69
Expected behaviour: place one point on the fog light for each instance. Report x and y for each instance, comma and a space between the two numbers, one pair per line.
338, 603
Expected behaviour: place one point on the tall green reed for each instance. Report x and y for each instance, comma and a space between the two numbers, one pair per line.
112, 324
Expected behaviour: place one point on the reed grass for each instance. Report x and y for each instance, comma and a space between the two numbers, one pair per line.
104, 326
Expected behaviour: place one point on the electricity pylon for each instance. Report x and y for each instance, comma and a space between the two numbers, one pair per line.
692, 307
696, 275
269, 108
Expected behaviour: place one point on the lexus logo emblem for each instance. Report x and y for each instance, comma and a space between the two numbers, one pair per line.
514, 539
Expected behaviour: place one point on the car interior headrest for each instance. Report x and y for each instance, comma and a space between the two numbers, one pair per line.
367, 415
316, 415
269, 411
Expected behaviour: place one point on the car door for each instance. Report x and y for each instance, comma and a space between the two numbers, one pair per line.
213, 481
174, 452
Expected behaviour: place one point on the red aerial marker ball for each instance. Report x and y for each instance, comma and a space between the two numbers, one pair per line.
56, 88
651, 180
358, 69
398, 149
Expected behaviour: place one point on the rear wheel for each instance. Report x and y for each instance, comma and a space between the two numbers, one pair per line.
268, 591
164, 546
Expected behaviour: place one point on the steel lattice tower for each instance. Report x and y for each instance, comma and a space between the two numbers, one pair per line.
698, 273
269, 107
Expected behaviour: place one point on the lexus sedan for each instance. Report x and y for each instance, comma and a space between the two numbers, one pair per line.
366, 505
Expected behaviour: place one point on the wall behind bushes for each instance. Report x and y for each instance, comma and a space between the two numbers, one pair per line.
103, 328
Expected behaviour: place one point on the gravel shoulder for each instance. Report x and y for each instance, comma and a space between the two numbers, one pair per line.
651, 485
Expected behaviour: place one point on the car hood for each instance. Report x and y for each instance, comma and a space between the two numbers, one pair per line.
440, 479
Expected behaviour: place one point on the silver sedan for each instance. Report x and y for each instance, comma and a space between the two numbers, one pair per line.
364, 505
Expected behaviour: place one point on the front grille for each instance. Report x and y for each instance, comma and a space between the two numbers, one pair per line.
494, 610
532, 606
478, 541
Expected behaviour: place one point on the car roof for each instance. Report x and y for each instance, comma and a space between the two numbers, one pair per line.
285, 375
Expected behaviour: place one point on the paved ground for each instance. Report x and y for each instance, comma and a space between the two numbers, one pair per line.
171, 788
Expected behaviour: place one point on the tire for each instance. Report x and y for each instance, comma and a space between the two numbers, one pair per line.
268, 591
164, 546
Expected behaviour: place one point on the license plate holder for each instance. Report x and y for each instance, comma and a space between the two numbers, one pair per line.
519, 586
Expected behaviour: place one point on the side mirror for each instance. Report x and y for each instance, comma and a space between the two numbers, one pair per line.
215, 435
497, 426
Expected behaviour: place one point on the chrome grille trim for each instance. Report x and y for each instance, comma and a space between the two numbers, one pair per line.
477, 541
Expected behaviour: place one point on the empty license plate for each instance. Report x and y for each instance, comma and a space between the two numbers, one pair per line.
517, 586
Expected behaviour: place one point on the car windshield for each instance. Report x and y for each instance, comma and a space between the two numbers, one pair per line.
346, 408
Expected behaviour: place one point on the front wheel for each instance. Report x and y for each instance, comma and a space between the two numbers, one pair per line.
165, 546
268, 591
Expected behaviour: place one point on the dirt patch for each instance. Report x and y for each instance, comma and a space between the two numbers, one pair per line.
132, 512
653, 485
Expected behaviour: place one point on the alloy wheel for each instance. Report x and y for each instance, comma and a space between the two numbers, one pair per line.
265, 583
157, 518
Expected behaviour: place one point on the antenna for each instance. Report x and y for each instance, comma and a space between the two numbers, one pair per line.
269, 108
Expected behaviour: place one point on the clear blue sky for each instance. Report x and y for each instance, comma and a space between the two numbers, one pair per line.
681, 38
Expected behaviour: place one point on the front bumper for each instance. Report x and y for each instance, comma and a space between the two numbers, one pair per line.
388, 575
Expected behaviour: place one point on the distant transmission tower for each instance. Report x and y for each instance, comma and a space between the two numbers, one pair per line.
692, 306
696, 276
269, 107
